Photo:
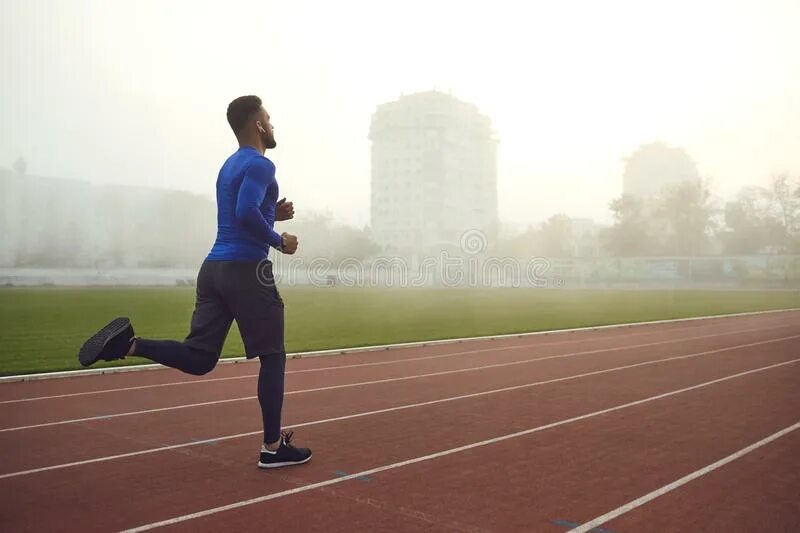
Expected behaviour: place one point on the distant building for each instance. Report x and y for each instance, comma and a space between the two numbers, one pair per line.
652, 167
434, 172
54, 222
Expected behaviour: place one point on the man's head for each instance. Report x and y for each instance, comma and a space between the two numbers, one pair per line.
250, 122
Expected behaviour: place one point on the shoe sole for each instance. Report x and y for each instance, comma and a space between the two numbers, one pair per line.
285, 463
90, 351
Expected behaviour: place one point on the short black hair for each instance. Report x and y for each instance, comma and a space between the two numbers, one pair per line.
240, 111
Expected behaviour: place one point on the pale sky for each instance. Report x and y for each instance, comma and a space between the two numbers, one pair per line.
135, 92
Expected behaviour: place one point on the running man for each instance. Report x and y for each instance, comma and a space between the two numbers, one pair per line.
235, 282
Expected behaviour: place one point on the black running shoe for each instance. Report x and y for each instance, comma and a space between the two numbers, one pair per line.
285, 455
110, 343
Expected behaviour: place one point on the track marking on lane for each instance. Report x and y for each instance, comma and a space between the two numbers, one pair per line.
380, 381
214, 440
344, 367
638, 502
443, 453
570, 524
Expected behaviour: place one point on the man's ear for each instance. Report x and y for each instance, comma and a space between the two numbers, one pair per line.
259, 126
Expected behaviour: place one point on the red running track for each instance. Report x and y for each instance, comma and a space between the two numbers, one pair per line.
529, 433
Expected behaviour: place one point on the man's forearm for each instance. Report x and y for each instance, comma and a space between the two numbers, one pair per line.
257, 225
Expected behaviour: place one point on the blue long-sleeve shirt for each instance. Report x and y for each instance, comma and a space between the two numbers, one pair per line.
246, 197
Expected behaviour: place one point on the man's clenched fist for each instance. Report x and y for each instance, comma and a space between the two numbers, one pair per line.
284, 210
288, 243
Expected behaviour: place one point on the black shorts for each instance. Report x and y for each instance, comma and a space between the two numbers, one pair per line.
244, 291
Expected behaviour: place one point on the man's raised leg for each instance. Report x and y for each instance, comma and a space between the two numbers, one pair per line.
197, 354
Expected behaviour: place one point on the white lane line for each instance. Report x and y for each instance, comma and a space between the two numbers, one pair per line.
387, 380
638, 502
444, 453
370, 413
326, 368
383, 347
355, 365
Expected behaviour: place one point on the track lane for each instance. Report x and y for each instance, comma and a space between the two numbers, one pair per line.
169, 483
16, 391
15, 415
560, 475
33, 448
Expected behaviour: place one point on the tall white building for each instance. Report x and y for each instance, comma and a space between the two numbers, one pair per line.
434, 172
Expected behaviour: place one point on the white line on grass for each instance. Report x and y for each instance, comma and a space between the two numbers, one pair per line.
413, 344
340, 367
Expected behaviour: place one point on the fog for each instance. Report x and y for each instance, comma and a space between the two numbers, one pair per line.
134, 93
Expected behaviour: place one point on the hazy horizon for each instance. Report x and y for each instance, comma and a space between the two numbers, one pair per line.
136, 93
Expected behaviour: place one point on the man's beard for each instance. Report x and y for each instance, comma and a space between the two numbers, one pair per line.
268, 140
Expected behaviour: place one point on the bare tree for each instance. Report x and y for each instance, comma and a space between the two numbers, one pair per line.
632, 232
555, 237
750, 225
687, 215
784, 196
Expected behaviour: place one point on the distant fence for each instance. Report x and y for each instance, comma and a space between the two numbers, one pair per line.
762, 272
739, 272
757, 271
82, 277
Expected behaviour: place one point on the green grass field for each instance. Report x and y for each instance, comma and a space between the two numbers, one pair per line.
41, 329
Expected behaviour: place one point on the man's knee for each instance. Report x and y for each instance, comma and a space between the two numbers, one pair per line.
206, 361
273, 363
275, 356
